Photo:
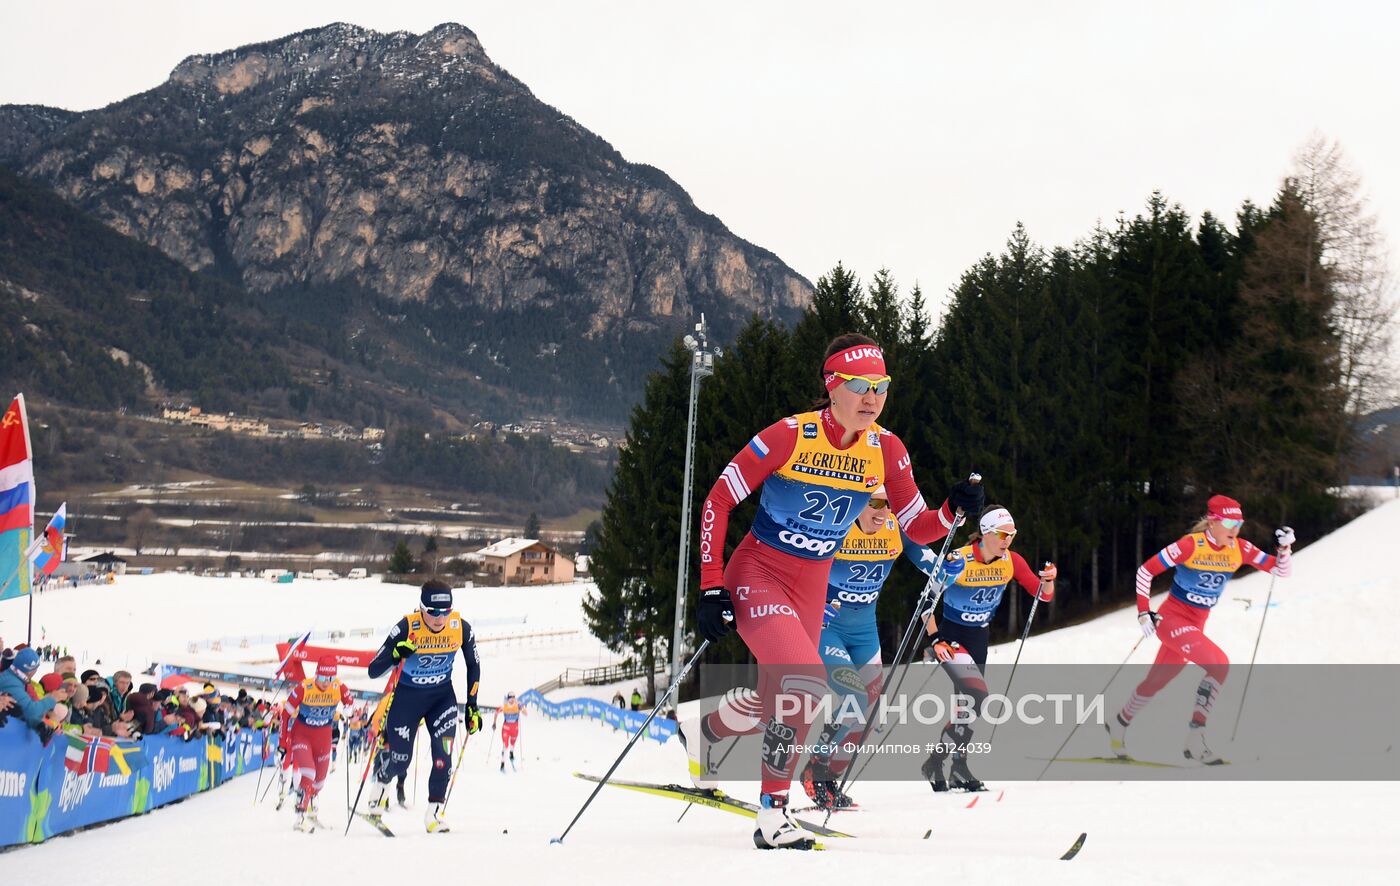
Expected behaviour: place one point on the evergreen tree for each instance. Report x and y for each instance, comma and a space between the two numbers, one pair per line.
532, 526
401, 560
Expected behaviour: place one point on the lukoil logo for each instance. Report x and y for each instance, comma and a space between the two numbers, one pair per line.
855, 354
766, 609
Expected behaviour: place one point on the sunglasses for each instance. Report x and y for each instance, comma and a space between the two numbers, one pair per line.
877, 504
1003, 534
437, 613
1231, 524
859, 384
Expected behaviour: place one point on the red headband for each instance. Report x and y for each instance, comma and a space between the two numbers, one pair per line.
859, 360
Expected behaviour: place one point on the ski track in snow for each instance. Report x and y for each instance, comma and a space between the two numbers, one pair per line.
1340, 606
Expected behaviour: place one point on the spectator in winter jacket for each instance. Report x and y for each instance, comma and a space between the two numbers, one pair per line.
120, 684
142, 708
16, 682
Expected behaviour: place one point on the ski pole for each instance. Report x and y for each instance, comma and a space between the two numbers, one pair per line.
656, 708
461, 752
1249, 673
281, 667
890, 734
1055, 756
933, 582
373, 737
1024, 634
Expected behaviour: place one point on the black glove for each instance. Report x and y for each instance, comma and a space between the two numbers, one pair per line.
715, 614
968, 497
473, 718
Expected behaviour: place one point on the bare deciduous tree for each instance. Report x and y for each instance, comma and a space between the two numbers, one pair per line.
1353, 252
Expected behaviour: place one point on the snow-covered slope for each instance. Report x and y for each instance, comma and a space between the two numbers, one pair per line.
1340, 606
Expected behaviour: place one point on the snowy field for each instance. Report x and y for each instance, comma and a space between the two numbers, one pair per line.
1340, 606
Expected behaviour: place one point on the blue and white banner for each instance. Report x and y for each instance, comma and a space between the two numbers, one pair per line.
661, 728
40, 797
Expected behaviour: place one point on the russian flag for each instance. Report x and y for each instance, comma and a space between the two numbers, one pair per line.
49, 550
16, 470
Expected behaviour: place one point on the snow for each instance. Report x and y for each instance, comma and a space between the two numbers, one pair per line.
1338, 607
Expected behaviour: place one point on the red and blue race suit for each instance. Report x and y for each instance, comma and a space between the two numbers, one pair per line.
813, 490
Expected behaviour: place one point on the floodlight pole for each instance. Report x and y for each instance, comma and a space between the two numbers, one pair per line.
702, 364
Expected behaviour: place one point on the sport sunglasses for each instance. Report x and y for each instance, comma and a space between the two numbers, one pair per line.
1231, 524
437, 613
859, 384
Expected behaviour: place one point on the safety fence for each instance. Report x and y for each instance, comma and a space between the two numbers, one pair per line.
661, 729
47, 790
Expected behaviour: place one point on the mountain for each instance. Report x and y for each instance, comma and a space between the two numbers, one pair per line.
358, 175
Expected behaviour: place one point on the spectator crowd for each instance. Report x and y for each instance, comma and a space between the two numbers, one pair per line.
93, 705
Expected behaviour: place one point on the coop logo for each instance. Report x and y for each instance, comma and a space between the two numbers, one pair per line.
13, 784
803, 543
766, 609
75, 788
852, 597
162, 772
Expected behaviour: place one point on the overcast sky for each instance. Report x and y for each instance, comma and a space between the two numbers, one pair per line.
911, 136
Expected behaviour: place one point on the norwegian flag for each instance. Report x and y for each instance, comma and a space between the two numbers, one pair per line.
86, 755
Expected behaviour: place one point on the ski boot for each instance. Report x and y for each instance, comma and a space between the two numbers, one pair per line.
433, 820
933, 773
399, 796
697, 743
1196, 748
1118, 736
822, 787
778, 831
503, 765
304, 824
961, 778
313, 815
379, 801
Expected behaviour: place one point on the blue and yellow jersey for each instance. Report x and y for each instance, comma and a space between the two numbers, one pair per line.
1200, 577
810, 502
431, 664
973, 598
318, 707
863, 563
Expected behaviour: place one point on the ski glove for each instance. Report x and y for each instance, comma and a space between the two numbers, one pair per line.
715, 614
951, 567
945, 650
403, 649
473, 718
1149, 621
1284, 536
832, 610
968, 497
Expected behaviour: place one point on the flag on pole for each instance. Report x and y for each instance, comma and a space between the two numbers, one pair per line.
16, 499
290, 669
49, 549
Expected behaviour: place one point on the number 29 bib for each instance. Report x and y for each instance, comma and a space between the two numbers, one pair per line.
1200, 578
